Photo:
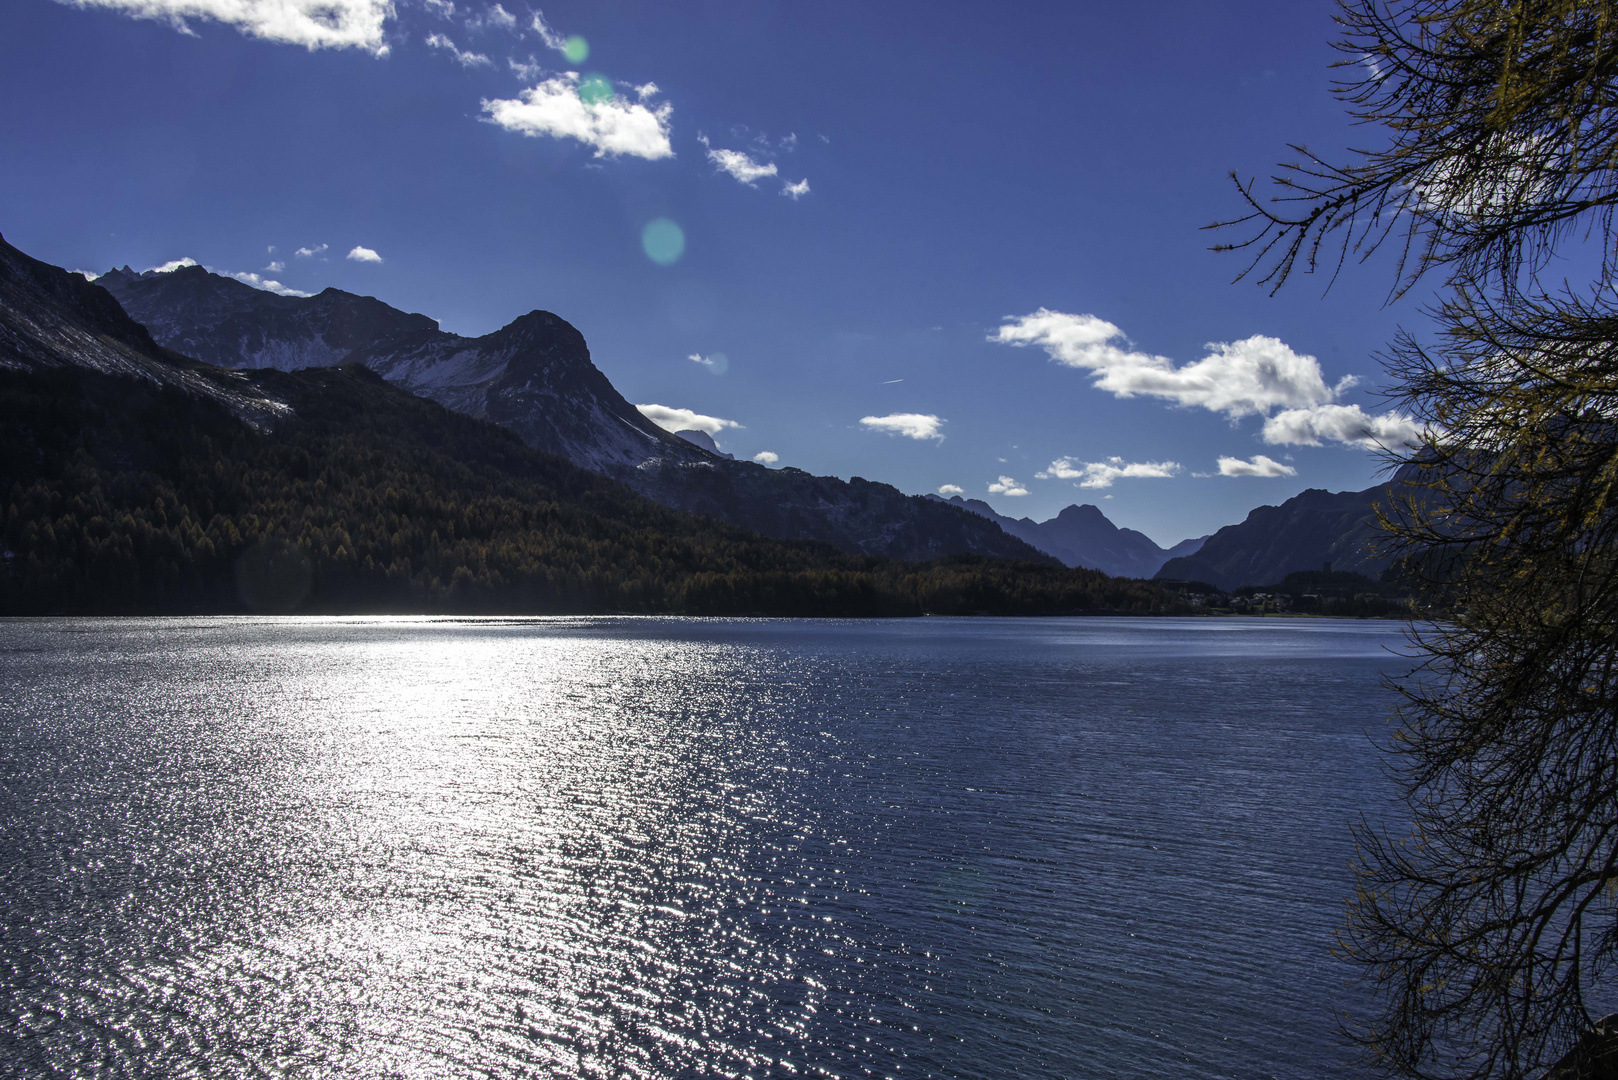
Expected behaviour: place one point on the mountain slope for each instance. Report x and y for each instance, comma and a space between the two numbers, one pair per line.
1083, 536
1310, 529
535, 377
51, 320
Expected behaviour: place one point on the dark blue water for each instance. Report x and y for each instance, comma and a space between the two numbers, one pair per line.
680, 848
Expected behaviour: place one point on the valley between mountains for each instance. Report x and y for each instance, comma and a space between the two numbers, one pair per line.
183, 441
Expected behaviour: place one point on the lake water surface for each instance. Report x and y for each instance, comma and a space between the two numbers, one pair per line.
681, 848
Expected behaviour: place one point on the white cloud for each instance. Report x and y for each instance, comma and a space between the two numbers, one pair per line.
766, 457
499, 16
266, 284
306, 252
1345, 424
465, 59
170, 267
314, 24
737, 164
1007, 486
276, 266
550, 37
1260, 466
444, 9
87, 275
684, 419
951, 489
608, 122
910, 425
1101, 474
364, 254
1239, 378
796, 191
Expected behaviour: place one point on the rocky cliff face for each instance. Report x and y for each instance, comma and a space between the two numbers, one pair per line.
1083, 536
535, 376
1310, 529
50, 319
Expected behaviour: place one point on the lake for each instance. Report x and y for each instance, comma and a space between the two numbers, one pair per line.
643, 847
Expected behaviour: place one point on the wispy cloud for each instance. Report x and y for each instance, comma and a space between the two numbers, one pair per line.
314, 24
444, 9
947, 490
1260, 466
1006, 486
495, 16
766, 457
463, 58
716, 363
737, 164
275, 267
267, 284
574, 47
1102, 474
671, 419
170, 267
364, 254
600, 117
796, 191
306, 252
1345, 424
910, 425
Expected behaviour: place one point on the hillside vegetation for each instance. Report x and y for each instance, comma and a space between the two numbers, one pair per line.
126, 497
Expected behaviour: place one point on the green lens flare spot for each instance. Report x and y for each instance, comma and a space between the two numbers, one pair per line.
663, 241
576, 49
595, 89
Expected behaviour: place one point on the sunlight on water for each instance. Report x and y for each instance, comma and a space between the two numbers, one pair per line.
663, 848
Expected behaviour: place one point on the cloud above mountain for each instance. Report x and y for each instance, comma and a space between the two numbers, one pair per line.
1102, 474
1345, 424
364, 254
910, 425
314, 24
591, 111
671, 419
1260, 466
1254, 376
1007, 486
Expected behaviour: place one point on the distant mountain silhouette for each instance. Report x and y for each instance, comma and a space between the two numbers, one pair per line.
1083, 536
535, 376
1307, 531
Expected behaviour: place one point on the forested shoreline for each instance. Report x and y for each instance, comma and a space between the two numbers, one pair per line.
127, 498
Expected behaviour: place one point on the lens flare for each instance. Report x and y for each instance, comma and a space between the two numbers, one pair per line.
663, 241
576, 49
595, 90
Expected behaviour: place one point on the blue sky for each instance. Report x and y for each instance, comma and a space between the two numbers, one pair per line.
987, 271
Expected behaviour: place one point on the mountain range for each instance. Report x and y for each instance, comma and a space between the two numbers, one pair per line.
140, 479
1083, 536
535, 377
1308, 531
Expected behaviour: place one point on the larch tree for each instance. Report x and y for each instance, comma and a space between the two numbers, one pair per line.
1490, 929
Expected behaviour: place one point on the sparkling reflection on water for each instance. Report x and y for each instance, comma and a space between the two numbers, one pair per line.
679, 848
